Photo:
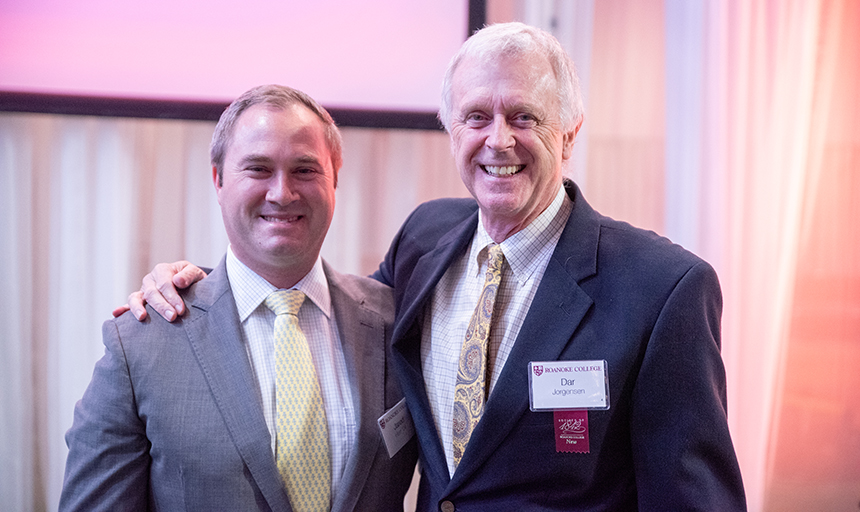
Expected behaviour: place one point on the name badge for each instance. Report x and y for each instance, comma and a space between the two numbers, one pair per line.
555, 385
396, 427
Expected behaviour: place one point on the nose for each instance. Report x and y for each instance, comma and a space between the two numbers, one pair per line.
280, 188
501, 136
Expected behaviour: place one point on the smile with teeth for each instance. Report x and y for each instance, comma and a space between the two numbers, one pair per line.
281, 219
502, 170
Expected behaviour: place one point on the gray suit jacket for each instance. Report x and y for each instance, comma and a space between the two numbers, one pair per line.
172, 418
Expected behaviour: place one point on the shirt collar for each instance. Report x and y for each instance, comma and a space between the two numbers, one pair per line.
521, 247
250, 290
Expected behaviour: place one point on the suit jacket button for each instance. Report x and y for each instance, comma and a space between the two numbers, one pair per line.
447, 506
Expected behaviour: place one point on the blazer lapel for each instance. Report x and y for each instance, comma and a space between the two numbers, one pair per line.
215, 337
362, 335
431, 267
545, 333
407, 346
558, 308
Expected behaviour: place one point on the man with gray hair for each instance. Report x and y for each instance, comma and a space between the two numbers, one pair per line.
552, 358
599, 385
266, 395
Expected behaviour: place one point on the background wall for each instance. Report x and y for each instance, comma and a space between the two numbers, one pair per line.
383, 54
733, 127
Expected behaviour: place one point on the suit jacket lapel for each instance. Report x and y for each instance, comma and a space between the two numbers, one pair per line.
215, 337
362, 335
431, 267
557, 309
407, 348
546, 331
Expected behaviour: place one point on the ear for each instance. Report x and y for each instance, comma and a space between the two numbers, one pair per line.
215, 182
567, 143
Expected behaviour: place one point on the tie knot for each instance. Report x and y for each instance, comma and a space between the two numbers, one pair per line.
285, 302
495, 257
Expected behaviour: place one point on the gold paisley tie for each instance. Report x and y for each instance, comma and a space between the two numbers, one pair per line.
471, 388
302, 451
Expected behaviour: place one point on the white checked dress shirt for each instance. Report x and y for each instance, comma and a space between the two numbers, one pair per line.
319, 325
455, 296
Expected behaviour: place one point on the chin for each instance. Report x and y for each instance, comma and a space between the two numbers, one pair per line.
504, 202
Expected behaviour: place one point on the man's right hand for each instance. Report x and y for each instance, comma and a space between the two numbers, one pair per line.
159, 290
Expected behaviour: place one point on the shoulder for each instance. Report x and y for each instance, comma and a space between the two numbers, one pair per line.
640, 245
207, 292
142, 348
637, 267
201, 297
448, 205
431, 221
363, 291
599, 248
440, 215
127, 328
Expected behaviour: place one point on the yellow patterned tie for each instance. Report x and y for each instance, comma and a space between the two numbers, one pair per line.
302, 451
470, 391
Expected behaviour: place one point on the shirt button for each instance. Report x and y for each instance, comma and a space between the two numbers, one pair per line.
447, 506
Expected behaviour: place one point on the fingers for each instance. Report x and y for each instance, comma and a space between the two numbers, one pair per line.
120, 310
135, 305
187, 275
157, 290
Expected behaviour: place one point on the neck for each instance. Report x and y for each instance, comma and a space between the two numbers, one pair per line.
500, 227
280, 275
500, 230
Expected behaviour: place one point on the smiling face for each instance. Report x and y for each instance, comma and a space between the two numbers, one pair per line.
507, 138
277, 194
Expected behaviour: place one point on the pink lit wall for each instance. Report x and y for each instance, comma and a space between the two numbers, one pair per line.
378, 54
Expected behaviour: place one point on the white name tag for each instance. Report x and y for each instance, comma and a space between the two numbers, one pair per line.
568, 385
396, 427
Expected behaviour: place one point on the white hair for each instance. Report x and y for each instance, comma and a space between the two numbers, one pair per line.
515, 39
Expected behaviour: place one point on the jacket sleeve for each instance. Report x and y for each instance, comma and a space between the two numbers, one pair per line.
108, 462
682, 449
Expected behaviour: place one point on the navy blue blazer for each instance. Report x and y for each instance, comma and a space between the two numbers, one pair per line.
613, 292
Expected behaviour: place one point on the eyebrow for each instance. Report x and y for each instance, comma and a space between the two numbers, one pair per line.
264, 159
252, 158
481, 104
307, 159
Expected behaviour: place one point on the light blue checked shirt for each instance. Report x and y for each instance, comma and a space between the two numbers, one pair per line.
319, 325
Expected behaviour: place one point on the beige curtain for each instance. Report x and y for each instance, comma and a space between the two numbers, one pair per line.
89, 204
